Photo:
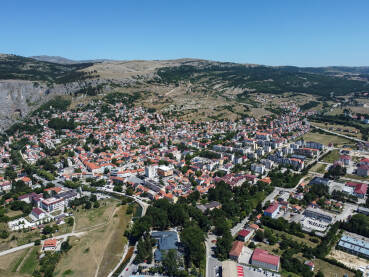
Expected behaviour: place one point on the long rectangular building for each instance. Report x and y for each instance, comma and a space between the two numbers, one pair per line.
354, 244
318, 214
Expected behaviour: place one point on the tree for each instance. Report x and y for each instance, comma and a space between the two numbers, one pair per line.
193, 238
224, 245
96, 204
4, 234
88, 205
47, 230
70, 221
319, 274
65, 246
170, 263
144, 250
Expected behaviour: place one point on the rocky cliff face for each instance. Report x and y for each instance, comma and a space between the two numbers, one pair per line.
18, 98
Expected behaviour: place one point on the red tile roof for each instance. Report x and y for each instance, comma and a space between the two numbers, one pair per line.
261, 255
271, 209
236, 248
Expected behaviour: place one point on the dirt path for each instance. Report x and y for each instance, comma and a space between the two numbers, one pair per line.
106, 245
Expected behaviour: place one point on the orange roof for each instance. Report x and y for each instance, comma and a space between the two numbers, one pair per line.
266, 180
56, 189
50, 243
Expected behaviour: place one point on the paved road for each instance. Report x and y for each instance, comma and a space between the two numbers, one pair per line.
24, 246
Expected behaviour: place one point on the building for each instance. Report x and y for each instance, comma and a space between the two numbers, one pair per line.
209, 206
258, 168
236, 250
165, 241
272, 210
262, 258
354, 244
52, 204
165, 171
314, 145
345, 159
318, 214
363, 210
310, 264
150, 172
357, 189
38, 213
363, 170
244, 235
67, 196
50, 245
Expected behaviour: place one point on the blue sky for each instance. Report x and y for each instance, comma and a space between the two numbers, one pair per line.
274, 32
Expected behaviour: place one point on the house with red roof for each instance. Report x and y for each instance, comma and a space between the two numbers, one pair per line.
363, 170
50, 245
272, 210
38, 214
236, 250
263, 259
244, 235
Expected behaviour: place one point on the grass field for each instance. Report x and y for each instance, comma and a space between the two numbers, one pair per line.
10, 262
333, 156
326, 139
100, 249
31, 261
345, 130
87, 218
330, 270
320, 168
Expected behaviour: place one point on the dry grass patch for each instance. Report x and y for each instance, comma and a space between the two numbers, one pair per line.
92, 217
326, 139
331, 270
98, 250
10, 261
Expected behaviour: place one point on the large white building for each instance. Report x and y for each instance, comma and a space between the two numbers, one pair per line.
52, 204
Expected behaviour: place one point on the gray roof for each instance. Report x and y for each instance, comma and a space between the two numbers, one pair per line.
166, 240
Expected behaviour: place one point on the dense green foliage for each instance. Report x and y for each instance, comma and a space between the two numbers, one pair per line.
262, 78
120, 97
17, 67
358, 224
284, 180
309, 105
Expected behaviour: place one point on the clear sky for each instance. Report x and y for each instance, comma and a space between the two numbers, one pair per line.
273, 32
